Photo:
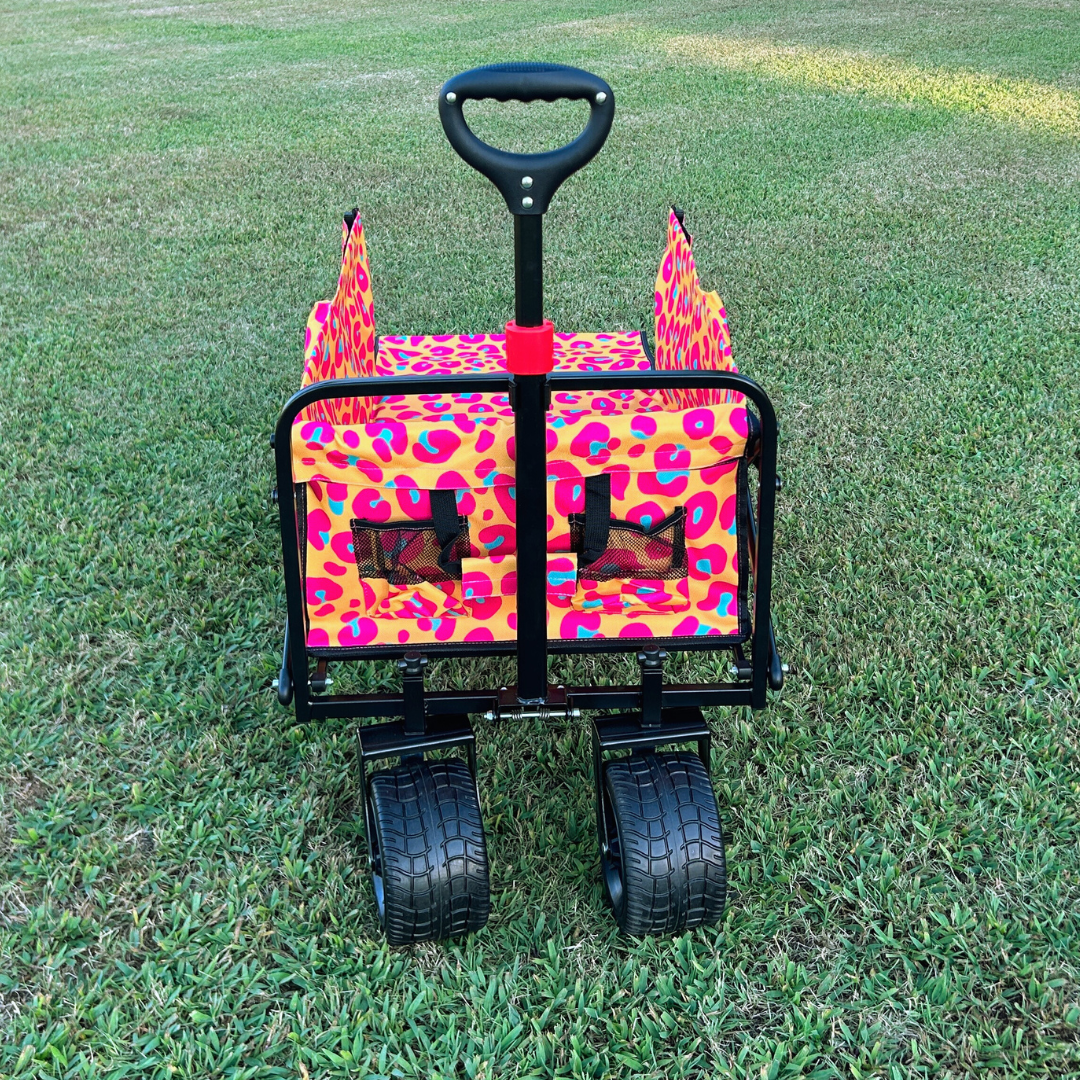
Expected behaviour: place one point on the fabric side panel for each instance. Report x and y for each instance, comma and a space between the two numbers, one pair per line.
339, 341
691, 325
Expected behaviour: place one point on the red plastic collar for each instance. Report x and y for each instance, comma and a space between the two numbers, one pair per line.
530, 350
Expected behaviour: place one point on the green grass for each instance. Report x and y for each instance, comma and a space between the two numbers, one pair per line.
886, 196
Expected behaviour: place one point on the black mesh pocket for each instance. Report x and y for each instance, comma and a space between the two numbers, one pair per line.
634, 551
408, 552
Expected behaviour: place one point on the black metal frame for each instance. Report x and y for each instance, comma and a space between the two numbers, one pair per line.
763, 668
651, 715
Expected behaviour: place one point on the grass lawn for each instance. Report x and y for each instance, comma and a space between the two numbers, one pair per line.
886, 196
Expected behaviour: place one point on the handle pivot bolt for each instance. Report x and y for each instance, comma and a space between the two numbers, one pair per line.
601, 98
526, 182
451, 97
526, 202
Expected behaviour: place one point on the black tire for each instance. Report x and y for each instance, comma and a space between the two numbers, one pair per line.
663, 852
429, 857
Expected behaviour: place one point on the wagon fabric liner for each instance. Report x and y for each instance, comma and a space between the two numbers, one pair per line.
407, 520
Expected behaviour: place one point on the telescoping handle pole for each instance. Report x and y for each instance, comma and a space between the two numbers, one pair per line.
527, 182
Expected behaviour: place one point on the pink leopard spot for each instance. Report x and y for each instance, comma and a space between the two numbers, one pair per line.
369, 504
318, 529
358, 632
435, 445
669, 457
720, 599
669, 484
387, 439
321, 590
727, 513
701, 512
451, 481
595, 443
563, 470
485, 607
711, 474
569, 498
370, 471
342, 543
504, 496
317, 433
647, 513
579, 624
496, 539
699, 423
706, 562
620, 478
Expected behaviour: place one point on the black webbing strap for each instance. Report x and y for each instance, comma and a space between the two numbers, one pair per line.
447, 528
597, 517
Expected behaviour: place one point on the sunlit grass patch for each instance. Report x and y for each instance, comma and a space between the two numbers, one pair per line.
1019, 101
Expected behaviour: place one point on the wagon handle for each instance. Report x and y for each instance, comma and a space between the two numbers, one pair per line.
527, 181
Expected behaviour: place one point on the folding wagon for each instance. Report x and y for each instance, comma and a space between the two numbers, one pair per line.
528, 493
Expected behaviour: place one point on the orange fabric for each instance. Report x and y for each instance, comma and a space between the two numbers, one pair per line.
458, 451
691, 324
345, 611
666, 455
339, 342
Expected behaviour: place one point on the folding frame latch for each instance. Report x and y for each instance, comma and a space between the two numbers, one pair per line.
651, 662
412, 678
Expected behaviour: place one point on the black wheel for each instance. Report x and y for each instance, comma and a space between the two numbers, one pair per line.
429, 858
662, 847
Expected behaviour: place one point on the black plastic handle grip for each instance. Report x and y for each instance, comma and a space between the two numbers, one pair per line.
527, 181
